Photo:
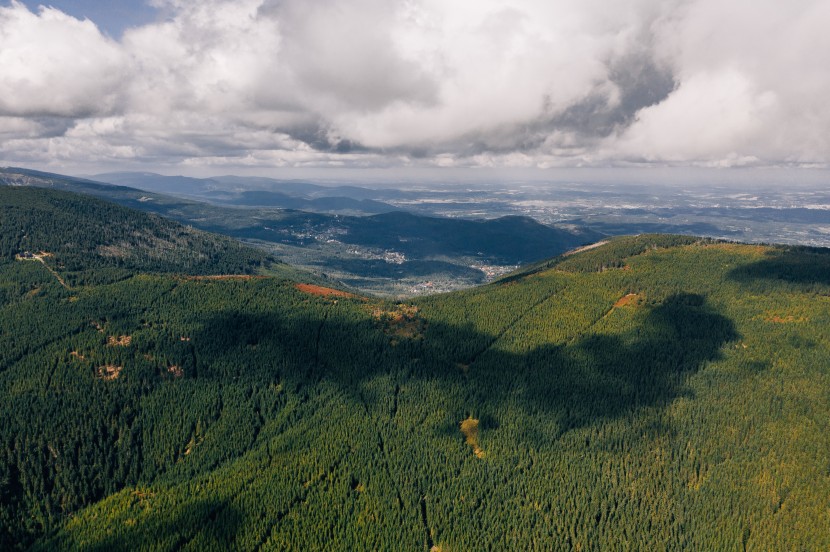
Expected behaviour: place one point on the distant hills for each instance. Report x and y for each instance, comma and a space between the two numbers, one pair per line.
245, 192
506, 240
353, 249
654, 392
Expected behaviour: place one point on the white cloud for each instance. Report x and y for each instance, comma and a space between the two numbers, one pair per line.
752, 83
709, 116
421, 82
55, 65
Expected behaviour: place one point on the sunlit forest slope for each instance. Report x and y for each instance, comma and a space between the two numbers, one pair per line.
656, 392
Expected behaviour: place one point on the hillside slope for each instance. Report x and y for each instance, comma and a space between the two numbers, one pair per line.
656, 392
86, 238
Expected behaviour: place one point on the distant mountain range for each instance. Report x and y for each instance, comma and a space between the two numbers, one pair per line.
251, 192
390, 252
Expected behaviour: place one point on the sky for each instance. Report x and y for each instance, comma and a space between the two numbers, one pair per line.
402, 87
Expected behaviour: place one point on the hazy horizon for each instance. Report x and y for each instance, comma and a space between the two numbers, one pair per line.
688, 177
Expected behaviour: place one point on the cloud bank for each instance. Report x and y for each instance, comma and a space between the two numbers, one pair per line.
378, 83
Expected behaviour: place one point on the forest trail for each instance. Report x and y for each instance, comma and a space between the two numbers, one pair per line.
510, 325
626, 300
39, 257
299, 499
382, 444
585, 248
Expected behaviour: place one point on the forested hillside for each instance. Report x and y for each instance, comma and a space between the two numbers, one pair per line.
656, 392
90, 240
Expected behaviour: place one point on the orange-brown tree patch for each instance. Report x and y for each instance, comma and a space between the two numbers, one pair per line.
401, 322
469, 428
109, 372
626, 300
323, 291
788, 319
119, 341
175, 371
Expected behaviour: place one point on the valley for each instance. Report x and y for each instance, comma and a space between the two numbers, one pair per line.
434, 238
396, 253
737, 210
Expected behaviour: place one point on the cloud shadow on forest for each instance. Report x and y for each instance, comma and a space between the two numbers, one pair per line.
594, 378
797, 265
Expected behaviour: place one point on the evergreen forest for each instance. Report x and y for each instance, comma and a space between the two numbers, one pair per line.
162, 388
